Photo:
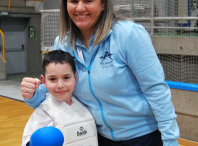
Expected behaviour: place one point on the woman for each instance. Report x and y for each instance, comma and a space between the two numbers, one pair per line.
120, 78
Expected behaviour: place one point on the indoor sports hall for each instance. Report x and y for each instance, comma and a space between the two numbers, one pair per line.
27, 32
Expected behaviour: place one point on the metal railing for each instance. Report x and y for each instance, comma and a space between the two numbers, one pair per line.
3, 46
152, 19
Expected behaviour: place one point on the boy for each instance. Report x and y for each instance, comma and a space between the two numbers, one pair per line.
60, 109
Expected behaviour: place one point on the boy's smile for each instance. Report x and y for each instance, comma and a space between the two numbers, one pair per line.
60, 81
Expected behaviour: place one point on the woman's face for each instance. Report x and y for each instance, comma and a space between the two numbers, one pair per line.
85, 13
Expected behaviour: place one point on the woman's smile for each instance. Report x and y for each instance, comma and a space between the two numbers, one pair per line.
85, 15
82, 16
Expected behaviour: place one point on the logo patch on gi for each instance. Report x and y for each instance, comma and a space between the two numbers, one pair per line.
81, 131
106, 60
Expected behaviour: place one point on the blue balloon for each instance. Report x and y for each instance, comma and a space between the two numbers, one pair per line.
47, 136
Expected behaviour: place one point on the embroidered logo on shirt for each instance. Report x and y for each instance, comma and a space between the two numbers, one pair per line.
81, 131
107, 60
105, 56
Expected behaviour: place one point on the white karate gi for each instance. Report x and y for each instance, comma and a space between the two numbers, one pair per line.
75, 121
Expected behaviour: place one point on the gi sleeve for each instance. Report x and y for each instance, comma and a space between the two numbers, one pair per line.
144, 63
38, 119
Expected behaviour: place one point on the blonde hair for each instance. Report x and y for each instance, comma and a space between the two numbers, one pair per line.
103, 26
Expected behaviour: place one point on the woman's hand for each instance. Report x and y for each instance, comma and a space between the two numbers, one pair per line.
29, 86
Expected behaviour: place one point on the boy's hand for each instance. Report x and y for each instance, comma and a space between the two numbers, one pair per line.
29, 86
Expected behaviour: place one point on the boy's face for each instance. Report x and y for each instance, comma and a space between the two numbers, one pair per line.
60, 81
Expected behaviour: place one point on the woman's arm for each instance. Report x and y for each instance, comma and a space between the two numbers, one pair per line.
144, 63
38, 97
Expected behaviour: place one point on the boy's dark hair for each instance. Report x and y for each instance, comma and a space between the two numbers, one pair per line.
58, 56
